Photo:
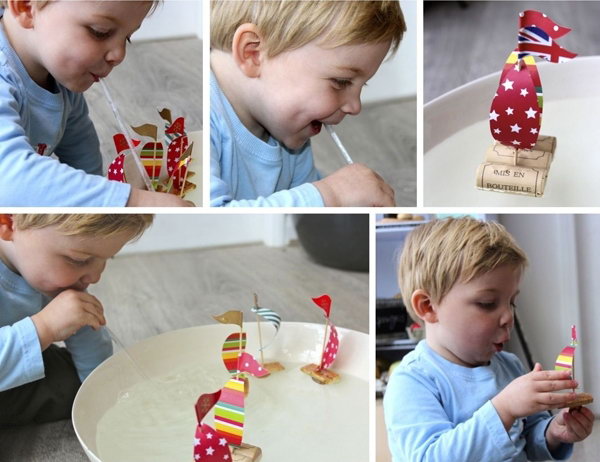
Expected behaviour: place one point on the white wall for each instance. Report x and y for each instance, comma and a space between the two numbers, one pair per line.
187, 231
172, 18
558, 289
587, 231
397, 78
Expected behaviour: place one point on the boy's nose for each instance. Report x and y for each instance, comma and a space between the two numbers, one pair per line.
115, 55
352, 104
92, 276
508, 318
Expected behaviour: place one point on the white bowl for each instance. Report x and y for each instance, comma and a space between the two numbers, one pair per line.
456, 136
297, 343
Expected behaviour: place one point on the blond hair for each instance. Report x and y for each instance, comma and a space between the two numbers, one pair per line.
441, 253
86, 224
289, 24
39, 4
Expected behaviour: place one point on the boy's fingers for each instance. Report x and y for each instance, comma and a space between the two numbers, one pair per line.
555, 385
576, 427
93, 307
583, 415
552, 375
555, 400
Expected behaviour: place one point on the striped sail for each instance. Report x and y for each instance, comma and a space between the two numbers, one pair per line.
273, 317
232, 348
270, 315
229, 412
152, 155
565, 359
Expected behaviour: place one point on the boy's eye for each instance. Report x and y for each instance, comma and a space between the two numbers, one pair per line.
99, 34
76, 262
487, 305
340, 84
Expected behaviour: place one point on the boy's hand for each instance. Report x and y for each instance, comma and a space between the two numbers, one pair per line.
355, 185
533, 393
141, 198
68, 312
569, 426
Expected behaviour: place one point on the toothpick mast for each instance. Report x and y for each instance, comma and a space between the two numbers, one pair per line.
262, 359
237, 376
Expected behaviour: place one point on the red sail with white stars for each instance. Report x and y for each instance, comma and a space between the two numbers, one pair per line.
515, 116
516, 112
208, 446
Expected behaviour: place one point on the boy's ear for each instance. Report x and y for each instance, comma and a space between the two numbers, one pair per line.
423, 307
22, 10
247, 49
6, 227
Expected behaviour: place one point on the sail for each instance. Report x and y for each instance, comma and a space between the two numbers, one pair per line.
208, 447
175, 151
251, 365
565, 359
229, 412
272, 316
330, 352
269, 315
516, 113
152, 158
232, 348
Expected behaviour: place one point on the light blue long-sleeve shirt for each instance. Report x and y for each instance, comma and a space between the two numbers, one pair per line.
248, 172
35, 123
438, 411
20, 351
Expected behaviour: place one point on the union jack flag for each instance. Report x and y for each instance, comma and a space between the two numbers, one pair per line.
534, 41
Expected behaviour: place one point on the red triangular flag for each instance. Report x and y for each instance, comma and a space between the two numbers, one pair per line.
121, 142
205, 403
324, 302
177, 127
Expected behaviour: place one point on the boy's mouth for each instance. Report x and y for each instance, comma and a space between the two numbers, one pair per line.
316, 126
499, 346
96, 78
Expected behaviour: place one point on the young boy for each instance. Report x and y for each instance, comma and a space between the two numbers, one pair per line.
46, 264
458, 396
50, 52
280, 70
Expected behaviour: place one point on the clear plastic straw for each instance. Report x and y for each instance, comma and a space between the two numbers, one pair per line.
339, 144
125, 130
120, 344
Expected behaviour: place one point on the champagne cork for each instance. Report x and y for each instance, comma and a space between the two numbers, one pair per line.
511, 179
540, 156
246, 453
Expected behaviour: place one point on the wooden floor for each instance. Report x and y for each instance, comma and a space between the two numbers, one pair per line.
154, 75
384, 137
462, 44
144, 295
